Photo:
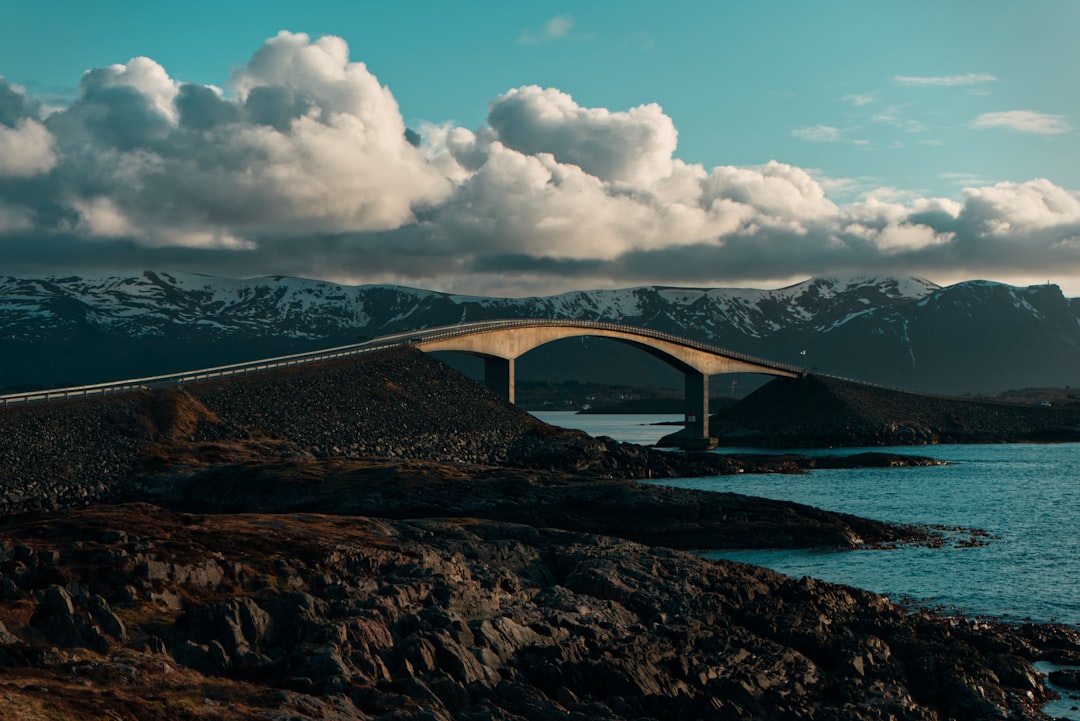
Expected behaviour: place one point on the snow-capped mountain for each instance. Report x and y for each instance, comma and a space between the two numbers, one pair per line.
902, 331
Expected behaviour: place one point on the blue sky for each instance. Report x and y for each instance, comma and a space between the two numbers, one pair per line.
943, 137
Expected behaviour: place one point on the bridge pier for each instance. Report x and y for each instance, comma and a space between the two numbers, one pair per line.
500, 342
499, 376
696, 395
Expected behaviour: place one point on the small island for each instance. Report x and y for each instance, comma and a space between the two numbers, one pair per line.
823, 412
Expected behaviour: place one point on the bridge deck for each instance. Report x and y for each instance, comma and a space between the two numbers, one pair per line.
539, 330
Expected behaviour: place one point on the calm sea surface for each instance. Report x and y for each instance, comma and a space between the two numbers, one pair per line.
1027, 496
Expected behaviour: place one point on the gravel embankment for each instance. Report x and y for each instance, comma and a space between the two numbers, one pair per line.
396, 404
66, 454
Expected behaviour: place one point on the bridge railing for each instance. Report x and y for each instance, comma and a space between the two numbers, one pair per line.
485, 326
195, 376
353, 349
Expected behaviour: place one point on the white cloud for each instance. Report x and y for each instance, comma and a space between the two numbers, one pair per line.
1011, 209
532, 204
892, 228
901, 237
945, 80
140, 74
554, 29
779, 194
1023, 121
99, 217
819, 134
26, 149
633, 146
309, 143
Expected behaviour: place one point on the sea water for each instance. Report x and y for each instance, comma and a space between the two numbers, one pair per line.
1026, 496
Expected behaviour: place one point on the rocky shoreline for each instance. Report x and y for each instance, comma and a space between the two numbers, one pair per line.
383, 539
645, 513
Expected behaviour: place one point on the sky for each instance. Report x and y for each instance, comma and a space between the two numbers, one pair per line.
533, 148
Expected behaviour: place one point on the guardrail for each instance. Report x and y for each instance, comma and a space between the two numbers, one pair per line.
179, 379
389, 341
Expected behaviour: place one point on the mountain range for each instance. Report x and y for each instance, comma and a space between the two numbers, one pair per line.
975, 336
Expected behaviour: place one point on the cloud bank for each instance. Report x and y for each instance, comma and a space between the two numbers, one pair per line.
304, 166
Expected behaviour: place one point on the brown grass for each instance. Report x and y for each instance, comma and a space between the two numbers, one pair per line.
91, 692
172, 415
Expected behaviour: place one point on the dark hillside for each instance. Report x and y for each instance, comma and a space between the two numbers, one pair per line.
389, 406
397, 404
816, 411
72, 453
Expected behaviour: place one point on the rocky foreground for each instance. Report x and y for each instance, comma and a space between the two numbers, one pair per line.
133, 612
382, 539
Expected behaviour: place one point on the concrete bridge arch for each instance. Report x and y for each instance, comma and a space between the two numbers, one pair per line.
500, 343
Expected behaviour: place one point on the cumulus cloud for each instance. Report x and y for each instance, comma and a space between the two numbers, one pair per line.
1023, 121
142, 75
945, 80
26, 146
26, 149
1008, 209
303, 165
15, 105
308, 142
779, 194
634, 146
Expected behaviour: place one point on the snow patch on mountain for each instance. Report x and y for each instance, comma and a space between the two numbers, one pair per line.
159, 303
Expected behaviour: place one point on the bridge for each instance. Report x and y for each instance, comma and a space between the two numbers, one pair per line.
499, 344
